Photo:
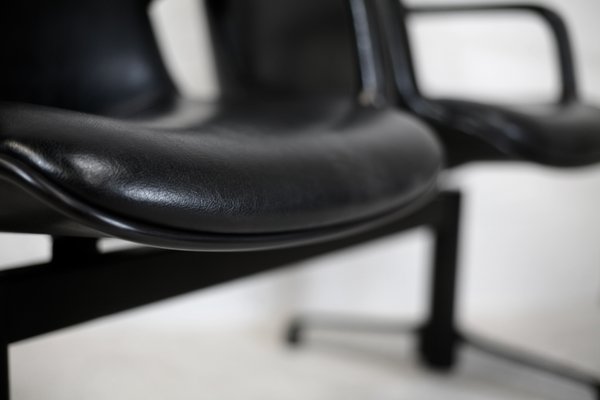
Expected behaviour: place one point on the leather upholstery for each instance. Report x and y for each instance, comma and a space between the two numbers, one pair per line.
256, 168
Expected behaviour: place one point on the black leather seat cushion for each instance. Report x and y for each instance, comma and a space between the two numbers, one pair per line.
563, 135
259, 167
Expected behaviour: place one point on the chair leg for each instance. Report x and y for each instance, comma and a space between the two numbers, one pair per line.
296, 329
4, 378
66, 249
438, 337
535, 362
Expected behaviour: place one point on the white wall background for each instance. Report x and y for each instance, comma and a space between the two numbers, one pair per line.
530, 252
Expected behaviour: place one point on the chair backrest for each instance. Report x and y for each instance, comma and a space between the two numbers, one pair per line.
296, 46
91, 55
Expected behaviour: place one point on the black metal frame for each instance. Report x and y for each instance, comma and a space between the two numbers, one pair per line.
80, 283
440, 336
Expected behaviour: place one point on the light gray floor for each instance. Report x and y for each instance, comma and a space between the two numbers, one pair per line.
531, 265
126, 360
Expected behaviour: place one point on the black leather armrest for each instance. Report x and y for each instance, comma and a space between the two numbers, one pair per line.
554, 20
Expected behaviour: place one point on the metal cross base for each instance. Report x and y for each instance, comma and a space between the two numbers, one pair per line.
439, 337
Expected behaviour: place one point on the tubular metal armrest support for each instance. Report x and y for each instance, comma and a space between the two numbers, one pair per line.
556, 23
